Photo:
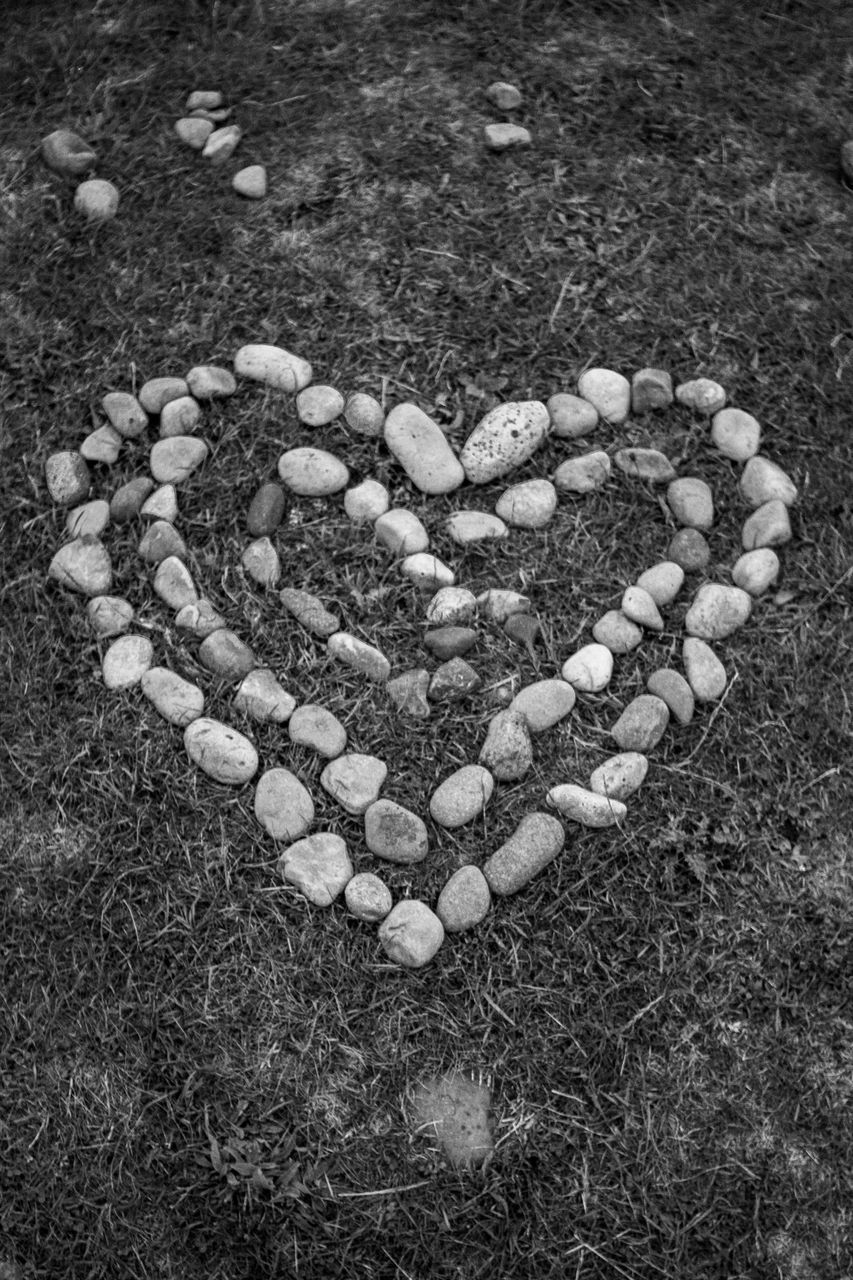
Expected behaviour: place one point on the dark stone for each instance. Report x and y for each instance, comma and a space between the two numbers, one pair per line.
266, 510
126, 502
450, 642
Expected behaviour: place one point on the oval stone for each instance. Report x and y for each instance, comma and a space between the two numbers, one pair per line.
589, 808
504, 96
645, 464
736, 434
571, 416
359, 655
315, 727
423, 450
717, 611
67, 153
464, 901
536, 841
179, 417
451, 605
544, 703
461, 796
193, 131
620, 776
507, 750
174, 698
706, 675
368, 898
401, 532
310, 612
220, 751
156, 393
366, 502
68, 477
273, 366
222, 144
97, 200
499, 137
608, 391
768, 526
225, 655
394, 833
102, 445
266, 510
251, 182
160, 541
109, 615
261, 562
691, 502
639, 606
364, 414
507, 436
467, 527
589, 670
262, 697
125, 413
450, 642
763, 481
199, 618
617, 632
211, 382
662, 582
318, 866
283, 806
427, 571
702, 394
642, 724
175, 459
162, 504
319, 405
84, 566
584, 474
689, 549
312, 473
354, 780
529, 505
126, 661
128, 500
411, 934
173, 583
756, 571
673, 689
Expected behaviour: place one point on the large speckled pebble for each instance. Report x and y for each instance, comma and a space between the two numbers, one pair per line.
173, 583
617, 632
224, 654
736, 434
589, 670
394, 833
262, 697
312, 473
97, 200
222, 144
464, 901
500, 603
68, 478
544, 703
156, 393
200, 619
639, 606
650, 389
315, 727
273, 366
642, 724
364, 415
261, 562
763, 481
401, 532
125, 413
160, 541
588, 808
427, 571
620, 776
318, 405
688, 548
706, 675
411, 934
101, 445
310, 612
368, 898
768, 526
608, 391
645, 464
571, 416
717, 611
529, 505
359, 655
423, 450
266, 510
468, 527
462, 796
318, 866
702, 394
691, 501
88, 521
354, 780
211, 382
126, 661
283, 805
585, 474
173, 460
250, 182
109, 615
508, 435
127, 501
662, 582
220, 751
507, 751
756, 571
451, 606
84, 566
673, 689
193, 131
536, 841
67, 153
174, 698
500, 137
162, 504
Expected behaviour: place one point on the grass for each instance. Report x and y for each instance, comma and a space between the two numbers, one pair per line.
204, 1077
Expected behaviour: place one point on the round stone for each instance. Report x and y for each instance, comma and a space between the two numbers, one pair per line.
673, 689
312, 473
220, 751
691, 502
366, 502
109, 615
608, 392
589, 670
156, 393
584, 474
451, 605
84, 566
318, 866
250, 182
588, 808
689, 550
500, 137
283, 806
536, 841
222, 144
125, 413
507, 750
462, 796
68, 478
266, 510
315, 727
173, 583
717, 611
262, 697
127, 501
394, 833
544, 703
175, 459
368, 898
179, 417
427, 571
273, 366
193, 131
364, 414
763, 481
650, 389
67, 153
662, 582
464, 901
225, 655
506, 437
504, 96
571, 416
201, 619
160, 541
102, 445
645, 464
401, 532
468, 527
702, 394
756, 571
97, 200
162, 504
639, 606
411, 934
768, 526
529, 505
423, 450
359, 655
642, 724
620, 776
174, 698
88, 521
736, 434
706, 675
319, 405
617, 632
126, 661
354, 780
261, 562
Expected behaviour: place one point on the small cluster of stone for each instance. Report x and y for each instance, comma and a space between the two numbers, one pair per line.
66, 153
501, 136
204, 128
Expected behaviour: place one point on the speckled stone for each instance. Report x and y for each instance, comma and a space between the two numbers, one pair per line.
651, 389
226, 655
109, 615
127, 501
588, 808
589, 669
450, 642
312, 473
220, 751
468, 527
263, 698
310, 612
364, 503
318, 405
273, 366
401, 532
464, 901
736, 434
639, 606
175, 459
161, 540
422, 450
411, 934
368, 898
706, 675
642, 724
756, 571
364, 415
157, 392
283, 805
662, 582
702, 394
68, 478
768, 526
462, 796
507, 751
673, 689
84, 566
544, 704
536, 841
620, 776
394, 833
508, 435
125, 413
175, 699
354, 780
266, 510
689, 549
691, 502
617, 632
608, 391
717, 611
359, 655
571, 416
315, 727
318, 866
126, 661
408, 693
585, 474
763, 481
645, 464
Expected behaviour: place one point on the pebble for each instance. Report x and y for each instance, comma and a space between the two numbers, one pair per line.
220, 751
617, 632
736, 434
109, 615
717, 611
453, 680
642, 724
88, 521
571, 416
706, 675
451, 605
368, 898
408, 692
266, 510
756, 571
691, 501
507, 751
673, 689
315, 727
450, 642
504, 96
536, 841
589, 808
702, 394
544, 704
608, 392
127, 502
126, 661
318, 866
162, 504
359, 655
467, 527
401, 532
173, 584
68, 478
273, 366
222, 144
620, 776
689, 549
161, 540
639, 606
524, 629
193, 131
499, 603
211, 382
174, 698
589, 670
250, 182
354, 780
84, 566
364, 415
499, 137
175, 459
283, 805
101, 445
464, 901
262, 697
529, 505
319, 405
67, 153
763, 481
394, 833
584, 474
226, 655
662, 582
506, 437
312, 473
645, 464
651, 389
97, 200
261, 562
125, 413
411, 934
462, 796
310, 612
768, 526
427, 571
423, 450
156, 393
200, 618
204, 100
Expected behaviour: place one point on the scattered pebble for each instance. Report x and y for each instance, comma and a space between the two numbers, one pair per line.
359, 655
571, 416
68, 478
756, 571
366, 502
763, 481
161, 540
506, 437
310, 612
584, 474
504, 96
529, 505
174, 698
467, 527
211, 382
507, 751
354, 780
706, 675
262, 697
427, 571
84, 566
88, 521
673, 689
175, 459
689, 549
201, 619
768, 526
450, 642
651, 389
283, 805
499, 137
645, 464
125, 413
312, 473
536, 841
220, 751
608, 392
589, 808
589, 670
639, 606
318, 405
109, 615
736, 434
499, 603
451, 605
67, 153
691, 501
717, 611
226, 655
620, 776
423, 450
97, 200
662, 582
642, 724
318, 866
368, 898
127, 502
222, 144
364, 414
702, 394
193, 131
162, 504
408, 692
462, 796
126, 661
272, 366
411, 934
266, 510
544, 704
401, 532
394, 833
453, 680
173, 584
617, 632
250, 182
156, 393
261, 562
315, 727
464, 901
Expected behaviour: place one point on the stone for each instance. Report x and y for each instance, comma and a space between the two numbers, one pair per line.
261, 697
204, 100
394, 833
201, 619
368, 898
88, 521
401, 532
266, 510
644, 464
226, 655
318, 866
162, 504
536, 842
411, 934
408, 692
451, 605
67, 153
156, 393
691, 501
736, 434
671, 687
529, 505
101, 445
160, 541
468, 527
524, 629
589, 669
97, 200
175, 459
364, 415
589, 808
706, 675
689, 549
127, 502
608, 392
499, 603
464, 901
193, 131
756, 571
639, 606
617, 632
359, 655
662, 582
315, 727
717, 611
312, 473
283, 805
702, 394
544, 704
506, 437
450, 642
500, 137
222, 144
84, 566
585, 474
318, 405
354, 780
422, 450
427, 571
452, 1110
173, 583
768, 526
453, 680
651, 389
261, 562
250, 182
220, 751
109, 615
507, 751
642, 724
68, 478
620, 776
762, 481
174, 698
126, 661
571, 416
462, 796
310, 612
125, 413
211, 382
273, 366
504, 96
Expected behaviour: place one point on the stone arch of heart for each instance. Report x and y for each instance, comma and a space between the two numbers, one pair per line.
319, 864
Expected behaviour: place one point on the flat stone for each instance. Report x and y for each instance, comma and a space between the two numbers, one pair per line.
283, 805
689, 549
273, 366
645, 464
211, 382
262, 697
88, 521
617, 632
607, 391
642, 724
156, 393
763, 481
364, 415
174, 698
536, 841
226, 655
160, 541
691, 501
220, 751
109, 615
310, 612
462, 796
101, 445
266, 510
464, 901
318, 866
401, 532
368, 898
585, 474
453, 680
315, 727
175, 459
504, 96
468, 527
544, 704
702, 394
671, 687
427, 571
84, 566
126, 661
193, 131
125, 413
67, 153
201, 619
423, 450
394, 833
173, 584
261, 562
450, 642
736, 434
589, 669
756, 571
411, 934
588, 808
359, 655
639, 606
651, 389
204, 100
662, 582
500, 137
499, 603
312, 473
408, 692
250, 182
222, 144
717, 611
126, 503
68, 478
529, 505
506, 437
571, 416
768, 526
507, 751
451, 605
620, 776
318, 405
97, 200
706, 675
354, 780
366, 502
162, 504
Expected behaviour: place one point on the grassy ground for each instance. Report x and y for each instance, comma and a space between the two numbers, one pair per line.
203, 1077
